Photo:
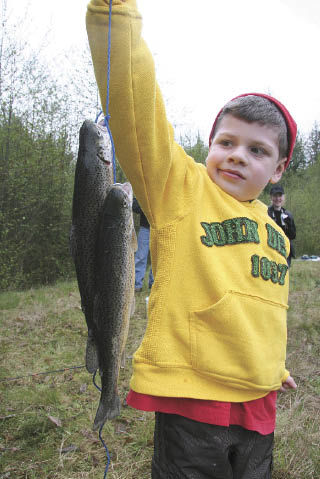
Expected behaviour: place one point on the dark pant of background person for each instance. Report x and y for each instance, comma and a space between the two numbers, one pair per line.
141, 258
187, 449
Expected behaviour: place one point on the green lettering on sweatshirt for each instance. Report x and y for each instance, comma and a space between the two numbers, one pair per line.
207, 240
268, 270
276, 240
274, 272
230, 232
282, 268
255, 266
252, 231
215, 234
265, 268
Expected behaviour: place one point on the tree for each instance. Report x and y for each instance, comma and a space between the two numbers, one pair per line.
36, 167
302, 198
36, 209
313, 144
298, 161
198, 150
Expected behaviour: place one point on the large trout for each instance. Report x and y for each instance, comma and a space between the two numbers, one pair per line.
93, 178
114, 300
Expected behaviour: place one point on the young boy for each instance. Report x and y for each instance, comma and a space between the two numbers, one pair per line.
282, 217
213, 355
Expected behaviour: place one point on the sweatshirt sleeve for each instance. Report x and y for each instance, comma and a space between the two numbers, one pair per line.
159, 170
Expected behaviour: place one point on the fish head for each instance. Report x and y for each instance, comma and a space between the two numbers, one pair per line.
97, 142
119, 198
128, 190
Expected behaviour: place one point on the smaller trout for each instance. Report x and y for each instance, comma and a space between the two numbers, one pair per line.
114, 299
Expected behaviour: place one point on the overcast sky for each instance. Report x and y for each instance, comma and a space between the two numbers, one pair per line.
208, 51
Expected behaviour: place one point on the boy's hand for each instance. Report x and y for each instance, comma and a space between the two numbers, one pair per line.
289, 383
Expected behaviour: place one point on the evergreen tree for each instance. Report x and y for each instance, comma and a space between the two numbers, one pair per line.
298, 161
313, 144
36, 168
197, 150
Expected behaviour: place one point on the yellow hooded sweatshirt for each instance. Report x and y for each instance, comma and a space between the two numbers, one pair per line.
217, 310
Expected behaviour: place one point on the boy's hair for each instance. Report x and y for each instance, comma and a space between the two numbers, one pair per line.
252, 108
266, 110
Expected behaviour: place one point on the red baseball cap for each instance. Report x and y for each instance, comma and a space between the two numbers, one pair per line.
291, 124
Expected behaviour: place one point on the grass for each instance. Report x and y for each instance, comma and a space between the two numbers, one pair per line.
46, 419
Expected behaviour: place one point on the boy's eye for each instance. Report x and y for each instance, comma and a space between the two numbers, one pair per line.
257, 150
224, 142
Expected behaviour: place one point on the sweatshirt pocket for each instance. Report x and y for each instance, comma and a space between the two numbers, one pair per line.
240, 340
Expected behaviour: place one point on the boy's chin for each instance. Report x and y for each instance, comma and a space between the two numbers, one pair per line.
242, 196
238, 191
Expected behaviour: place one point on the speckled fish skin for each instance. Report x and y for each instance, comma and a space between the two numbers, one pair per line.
93, 178
114, 301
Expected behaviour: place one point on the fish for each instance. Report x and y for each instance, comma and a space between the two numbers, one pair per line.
114, 299
93, 179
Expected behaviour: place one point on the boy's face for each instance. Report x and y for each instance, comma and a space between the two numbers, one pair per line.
277, 200
244, 157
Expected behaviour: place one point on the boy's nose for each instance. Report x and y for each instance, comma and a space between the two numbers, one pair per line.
238, 155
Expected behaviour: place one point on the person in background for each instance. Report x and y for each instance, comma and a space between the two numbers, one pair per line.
282, 217
141, 256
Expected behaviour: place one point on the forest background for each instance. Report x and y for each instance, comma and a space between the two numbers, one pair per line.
40, 117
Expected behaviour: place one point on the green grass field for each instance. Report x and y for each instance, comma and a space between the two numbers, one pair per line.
46, 419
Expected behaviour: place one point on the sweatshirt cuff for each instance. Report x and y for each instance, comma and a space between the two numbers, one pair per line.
285, 376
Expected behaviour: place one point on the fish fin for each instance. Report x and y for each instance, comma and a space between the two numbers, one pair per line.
133, 306
92, 360
123, 359
134, 241
106, 411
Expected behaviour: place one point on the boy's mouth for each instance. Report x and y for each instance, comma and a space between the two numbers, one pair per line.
232, 174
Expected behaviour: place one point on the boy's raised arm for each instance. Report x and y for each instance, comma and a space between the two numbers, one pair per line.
143, 137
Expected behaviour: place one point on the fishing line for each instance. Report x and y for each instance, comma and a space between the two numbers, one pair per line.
98, 116
107, 453
107, 116
106, 124
94, 382
100, 430
42, 373
59, 371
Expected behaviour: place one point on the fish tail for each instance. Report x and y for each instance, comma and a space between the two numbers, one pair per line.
92, 360
106, 411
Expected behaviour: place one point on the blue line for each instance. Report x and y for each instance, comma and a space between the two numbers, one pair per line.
113, 152
107, 117
106, 123
100, 430
94, 382
98, 115
109, 56
107, 453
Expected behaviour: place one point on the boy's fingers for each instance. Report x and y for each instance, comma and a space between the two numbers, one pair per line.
294, 385
288, 384
284, 388
291, 383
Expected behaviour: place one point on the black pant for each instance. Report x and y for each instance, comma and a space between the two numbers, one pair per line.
187, 449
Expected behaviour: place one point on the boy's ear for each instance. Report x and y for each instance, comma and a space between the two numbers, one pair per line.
278, 171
